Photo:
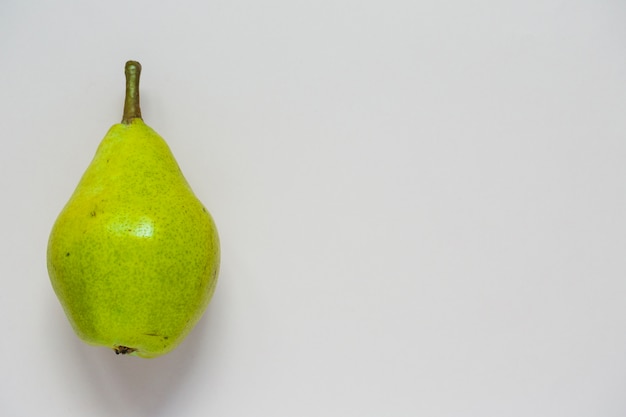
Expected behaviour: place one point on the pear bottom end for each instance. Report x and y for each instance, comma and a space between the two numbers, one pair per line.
123, 350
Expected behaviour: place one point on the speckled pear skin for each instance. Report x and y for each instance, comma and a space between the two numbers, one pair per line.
133, 256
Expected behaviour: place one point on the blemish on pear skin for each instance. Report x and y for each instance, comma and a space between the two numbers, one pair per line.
157, 335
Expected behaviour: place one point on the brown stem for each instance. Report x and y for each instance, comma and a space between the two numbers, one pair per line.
132, 110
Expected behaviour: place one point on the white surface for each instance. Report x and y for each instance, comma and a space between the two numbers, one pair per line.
422, 204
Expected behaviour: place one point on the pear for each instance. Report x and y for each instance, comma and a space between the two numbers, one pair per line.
134, 256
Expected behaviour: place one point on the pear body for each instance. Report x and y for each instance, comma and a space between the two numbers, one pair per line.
133, 256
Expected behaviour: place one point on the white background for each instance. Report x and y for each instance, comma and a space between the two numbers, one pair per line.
422, 204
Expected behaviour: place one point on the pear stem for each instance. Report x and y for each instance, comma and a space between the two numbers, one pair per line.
132, 70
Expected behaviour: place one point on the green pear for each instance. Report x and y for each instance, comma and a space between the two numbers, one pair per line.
133, 257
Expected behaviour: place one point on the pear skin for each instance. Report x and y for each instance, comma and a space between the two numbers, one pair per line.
134, 256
